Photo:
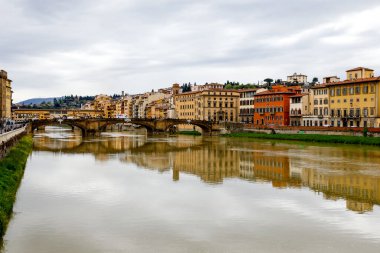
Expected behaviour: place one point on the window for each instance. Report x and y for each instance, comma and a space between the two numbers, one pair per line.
357, 90
315, 101
344, 91
338, 92
365, 89
326, 101
332, 92
365, 112
351, 90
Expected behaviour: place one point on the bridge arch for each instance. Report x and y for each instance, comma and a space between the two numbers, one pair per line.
147, 125
39, 123
204, 125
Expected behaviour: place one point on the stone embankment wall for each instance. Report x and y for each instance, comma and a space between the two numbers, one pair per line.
316, 130
7, 140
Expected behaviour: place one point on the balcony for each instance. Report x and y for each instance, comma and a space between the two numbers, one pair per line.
351, 117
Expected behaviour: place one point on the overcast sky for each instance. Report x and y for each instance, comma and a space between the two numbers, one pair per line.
86, 47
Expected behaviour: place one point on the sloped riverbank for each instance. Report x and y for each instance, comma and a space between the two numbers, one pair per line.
11, 172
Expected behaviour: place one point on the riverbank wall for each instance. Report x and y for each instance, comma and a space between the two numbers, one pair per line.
12, 167
9, 139
340, 131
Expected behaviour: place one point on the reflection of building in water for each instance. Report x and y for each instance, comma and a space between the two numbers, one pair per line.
247, 165
274, 168
359, 206
360, 190
211, 163
152, 155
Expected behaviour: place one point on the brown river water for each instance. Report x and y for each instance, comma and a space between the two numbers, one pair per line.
128, 192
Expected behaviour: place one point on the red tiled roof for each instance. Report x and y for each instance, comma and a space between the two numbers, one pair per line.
247, 90
273, 93
323, 85
299, 95
361, 80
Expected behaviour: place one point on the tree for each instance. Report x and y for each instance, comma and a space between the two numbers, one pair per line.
269, 81
56, 104
315, 80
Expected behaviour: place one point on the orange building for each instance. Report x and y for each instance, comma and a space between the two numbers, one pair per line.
272, 107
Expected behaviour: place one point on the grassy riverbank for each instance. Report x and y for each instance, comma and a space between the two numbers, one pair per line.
311, 138
189, 132
11, 171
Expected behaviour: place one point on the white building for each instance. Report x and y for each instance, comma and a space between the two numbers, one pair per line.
208, 86
297, 78
299, 107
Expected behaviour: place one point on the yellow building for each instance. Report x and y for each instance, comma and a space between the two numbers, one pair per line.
215, 105
158, 109
105, 103
122, 106
5, 95
355, 102
211, 163
360, 190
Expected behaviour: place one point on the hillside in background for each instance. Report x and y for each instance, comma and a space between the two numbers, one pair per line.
36, 101
65, 102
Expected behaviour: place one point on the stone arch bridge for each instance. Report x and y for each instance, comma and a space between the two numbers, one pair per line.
93, 127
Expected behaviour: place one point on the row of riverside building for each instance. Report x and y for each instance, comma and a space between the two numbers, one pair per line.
354, 102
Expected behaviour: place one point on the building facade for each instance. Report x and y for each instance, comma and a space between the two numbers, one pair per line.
299, 107
211, 105
297, 78
319, 107
355, 102
272, 108
5, 95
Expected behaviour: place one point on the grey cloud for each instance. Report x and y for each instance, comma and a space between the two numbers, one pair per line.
89, 47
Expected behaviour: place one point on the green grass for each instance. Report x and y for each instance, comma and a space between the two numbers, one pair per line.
189, 132
11, 172
311, 138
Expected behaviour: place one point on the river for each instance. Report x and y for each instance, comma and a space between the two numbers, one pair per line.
126, 192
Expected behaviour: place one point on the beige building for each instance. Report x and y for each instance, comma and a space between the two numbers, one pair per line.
319, 102
247, 105
359, 73
214, 105
299, 107
5, 95
331, 79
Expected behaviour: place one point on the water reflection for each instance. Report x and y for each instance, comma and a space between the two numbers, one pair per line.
339, 172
